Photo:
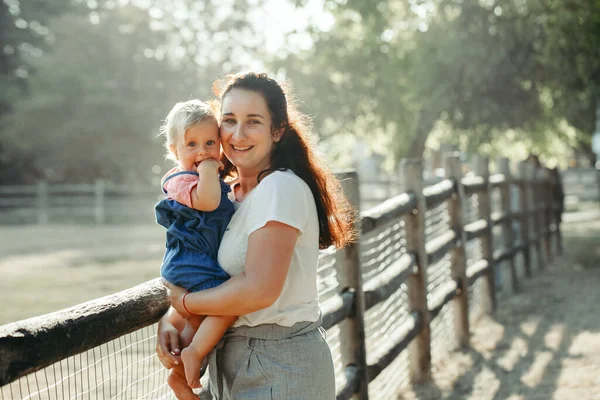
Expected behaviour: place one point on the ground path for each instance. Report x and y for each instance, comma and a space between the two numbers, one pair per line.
542, 343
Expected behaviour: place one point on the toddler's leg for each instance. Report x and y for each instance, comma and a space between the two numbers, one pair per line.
176, 380
179, 385
191, 326
205, 339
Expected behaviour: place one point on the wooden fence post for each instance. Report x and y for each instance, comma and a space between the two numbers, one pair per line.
507, 229
546, 202
540, 214
557, 196
524, 219
352, 331
484, 211
42, 202
420, 346
458, 258
534, 205
99, 201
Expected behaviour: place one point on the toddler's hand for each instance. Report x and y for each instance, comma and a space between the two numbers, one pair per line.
209, 163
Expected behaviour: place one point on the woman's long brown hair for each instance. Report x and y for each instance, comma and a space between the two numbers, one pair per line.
295, 152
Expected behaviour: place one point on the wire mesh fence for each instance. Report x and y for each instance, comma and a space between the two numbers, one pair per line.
127, 367
124, 368
473, 253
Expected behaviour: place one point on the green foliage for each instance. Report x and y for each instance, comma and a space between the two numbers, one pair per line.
23, 33
99, 94
482, 67
84, 85
89, 113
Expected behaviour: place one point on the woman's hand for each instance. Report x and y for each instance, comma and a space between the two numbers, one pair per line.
175, 294
168, 346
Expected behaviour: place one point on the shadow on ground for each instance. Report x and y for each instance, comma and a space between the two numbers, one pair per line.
542, 343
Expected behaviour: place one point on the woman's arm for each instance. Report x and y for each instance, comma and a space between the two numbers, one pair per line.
270, 251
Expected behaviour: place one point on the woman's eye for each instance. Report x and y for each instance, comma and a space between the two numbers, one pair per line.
229, 121
253, 122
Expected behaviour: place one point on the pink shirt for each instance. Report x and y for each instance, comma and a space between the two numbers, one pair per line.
179, 187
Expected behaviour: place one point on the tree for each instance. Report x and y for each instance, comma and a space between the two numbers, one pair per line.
480, 67
97, 99
23, 33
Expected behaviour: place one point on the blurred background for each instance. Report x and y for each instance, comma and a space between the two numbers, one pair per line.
84, 86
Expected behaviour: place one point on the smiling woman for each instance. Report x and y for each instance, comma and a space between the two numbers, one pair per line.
288, 205
246, 133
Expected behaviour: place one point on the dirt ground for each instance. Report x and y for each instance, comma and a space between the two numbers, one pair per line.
542, 343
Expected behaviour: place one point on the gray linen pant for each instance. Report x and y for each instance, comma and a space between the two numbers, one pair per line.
270, 361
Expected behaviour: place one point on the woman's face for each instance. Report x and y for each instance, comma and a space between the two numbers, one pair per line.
246, 134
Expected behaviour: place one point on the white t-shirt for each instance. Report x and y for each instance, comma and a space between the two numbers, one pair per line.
284, 197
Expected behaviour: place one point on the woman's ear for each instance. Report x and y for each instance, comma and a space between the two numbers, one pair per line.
173, 150
277, 135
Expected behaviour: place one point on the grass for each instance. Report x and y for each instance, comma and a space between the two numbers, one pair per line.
48, 268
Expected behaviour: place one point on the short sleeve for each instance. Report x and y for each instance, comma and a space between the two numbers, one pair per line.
280, 197
179, 187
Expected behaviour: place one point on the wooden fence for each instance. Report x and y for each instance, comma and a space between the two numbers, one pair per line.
40, 343
105, 203
99, 202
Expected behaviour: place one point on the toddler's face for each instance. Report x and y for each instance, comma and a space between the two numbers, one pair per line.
200, 142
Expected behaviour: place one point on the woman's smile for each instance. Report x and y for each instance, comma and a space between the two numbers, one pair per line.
241, 148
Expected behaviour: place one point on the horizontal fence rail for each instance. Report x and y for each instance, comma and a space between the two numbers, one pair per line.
352, 293
24, 345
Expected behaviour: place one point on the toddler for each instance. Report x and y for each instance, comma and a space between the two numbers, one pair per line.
195, 213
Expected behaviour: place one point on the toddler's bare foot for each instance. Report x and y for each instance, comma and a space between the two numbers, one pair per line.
191, 364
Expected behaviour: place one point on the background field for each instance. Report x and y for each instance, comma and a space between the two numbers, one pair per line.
47, 268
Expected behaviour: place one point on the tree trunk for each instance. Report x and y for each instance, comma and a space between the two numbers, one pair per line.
425, 122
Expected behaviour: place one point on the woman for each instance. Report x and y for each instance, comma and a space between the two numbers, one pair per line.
288, 205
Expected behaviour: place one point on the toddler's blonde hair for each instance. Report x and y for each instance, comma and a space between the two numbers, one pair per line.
182, 116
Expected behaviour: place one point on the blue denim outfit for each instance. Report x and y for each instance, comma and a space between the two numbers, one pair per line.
193, 239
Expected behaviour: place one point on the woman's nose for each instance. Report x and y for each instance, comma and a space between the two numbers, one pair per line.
239, 131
